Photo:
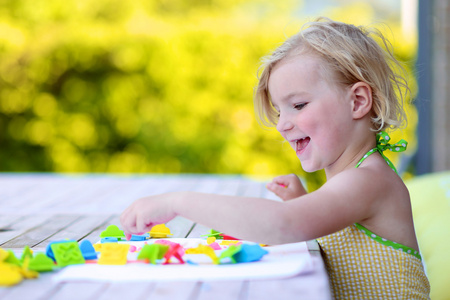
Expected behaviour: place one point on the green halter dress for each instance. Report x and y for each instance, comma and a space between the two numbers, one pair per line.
364, 265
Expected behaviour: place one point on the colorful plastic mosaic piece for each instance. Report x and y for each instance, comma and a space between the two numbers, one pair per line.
230, 242
153, 252
136, 237
203, 249
160, 231
9, 274
26, 253
171, 244
213, 233
228, 237
67, 253
12, 259
174, 251
113, 254
210, 240
109, 239
249, 253
219, 235
49, 251
41, 263
87, 249
113, 231
25, 271
229, 253
215, 246
3, 254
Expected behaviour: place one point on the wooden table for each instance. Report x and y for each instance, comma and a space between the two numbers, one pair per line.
38, 208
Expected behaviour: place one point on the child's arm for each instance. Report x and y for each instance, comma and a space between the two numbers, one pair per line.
343, 200
287, 187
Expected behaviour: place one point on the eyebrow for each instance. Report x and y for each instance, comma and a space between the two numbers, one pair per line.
292, 95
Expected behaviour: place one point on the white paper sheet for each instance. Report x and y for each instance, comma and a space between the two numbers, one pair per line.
282, 261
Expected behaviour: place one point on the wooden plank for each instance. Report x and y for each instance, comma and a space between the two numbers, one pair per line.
175, 290
32, 289
180, 227
37, 234
6, 221
118, 199
127, 290
198, 231
77, 230
90, 227
86, 190
11, 190
21, 225
222, 290
78, 290
44, 197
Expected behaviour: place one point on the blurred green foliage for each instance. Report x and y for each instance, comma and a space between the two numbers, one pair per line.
145, 86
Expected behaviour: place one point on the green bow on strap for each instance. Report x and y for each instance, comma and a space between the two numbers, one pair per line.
382, 145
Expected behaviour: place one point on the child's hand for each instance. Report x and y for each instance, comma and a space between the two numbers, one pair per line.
286, 187
146, 212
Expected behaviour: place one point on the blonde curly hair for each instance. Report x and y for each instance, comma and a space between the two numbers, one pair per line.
350, 55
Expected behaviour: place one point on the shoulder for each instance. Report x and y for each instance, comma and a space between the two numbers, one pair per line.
355, 195
370, 186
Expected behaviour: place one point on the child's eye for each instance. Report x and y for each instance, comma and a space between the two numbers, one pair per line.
299, 106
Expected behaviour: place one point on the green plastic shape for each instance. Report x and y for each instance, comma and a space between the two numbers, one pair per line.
153, 252
113, 231
26, 253
12, 259
214, 233
67, 254
230, 253
41, 263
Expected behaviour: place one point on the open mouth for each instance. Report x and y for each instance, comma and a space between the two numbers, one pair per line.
302, 143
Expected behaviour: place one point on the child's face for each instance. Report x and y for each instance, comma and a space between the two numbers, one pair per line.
315, 116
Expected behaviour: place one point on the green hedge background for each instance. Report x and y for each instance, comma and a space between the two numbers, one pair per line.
151, 86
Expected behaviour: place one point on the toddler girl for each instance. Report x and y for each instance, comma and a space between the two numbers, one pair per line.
331, 91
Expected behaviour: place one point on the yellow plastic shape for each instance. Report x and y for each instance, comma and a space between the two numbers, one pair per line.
25, 271
203, 249
229, 242
9, 274
210, 240
160, 231
193, 251
113, 254
97, 247
3, 254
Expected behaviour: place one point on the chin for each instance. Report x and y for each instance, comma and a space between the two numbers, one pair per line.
309, 169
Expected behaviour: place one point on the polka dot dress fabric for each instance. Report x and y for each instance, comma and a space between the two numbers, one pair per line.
362, 268
363, 265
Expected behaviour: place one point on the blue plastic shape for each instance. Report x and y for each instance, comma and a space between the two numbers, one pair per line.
249, 253
109, 239
135, 237
88, 250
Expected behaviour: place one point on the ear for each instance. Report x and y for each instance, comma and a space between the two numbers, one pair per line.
361, 97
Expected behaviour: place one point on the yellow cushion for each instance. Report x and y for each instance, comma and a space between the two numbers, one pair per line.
430, 199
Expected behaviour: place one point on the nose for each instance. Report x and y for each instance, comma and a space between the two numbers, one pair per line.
284, 124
